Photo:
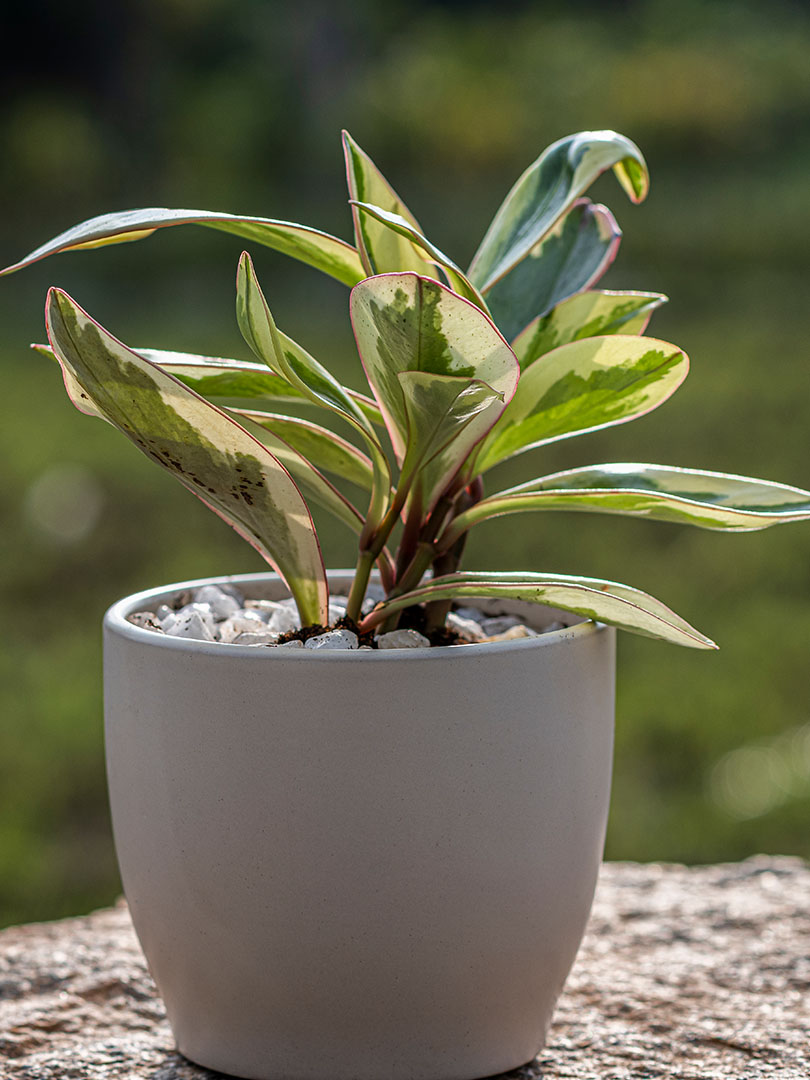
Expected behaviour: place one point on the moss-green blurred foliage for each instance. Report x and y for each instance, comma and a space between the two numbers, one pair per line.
238, 107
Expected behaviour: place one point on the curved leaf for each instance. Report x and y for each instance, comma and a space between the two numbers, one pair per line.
312, 484
215, 377
288, 359
572, 256
447, 417
563, 172
459, 282
211, 455
710, 500
590, 314
323, 448
604, 601
584, 386
318, 249
381, 249
404, 322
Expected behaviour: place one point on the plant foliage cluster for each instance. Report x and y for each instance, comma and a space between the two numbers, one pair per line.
465, 370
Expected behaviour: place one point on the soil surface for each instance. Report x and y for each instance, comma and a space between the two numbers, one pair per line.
693, 973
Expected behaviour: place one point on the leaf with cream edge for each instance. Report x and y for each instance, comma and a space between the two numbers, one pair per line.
405, 322
209, 452
287, 358
590, 314
215, 378
447, 417
313, 485
322, 447
326, 253
546, 190
381, 250
585, 386
570, 257
709, 500
458, 280
604, 601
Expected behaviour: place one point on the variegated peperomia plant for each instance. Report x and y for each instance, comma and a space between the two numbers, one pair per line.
466, 369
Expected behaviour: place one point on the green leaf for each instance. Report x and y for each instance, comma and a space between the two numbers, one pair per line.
318, 249
590, 314
404, 322
214, 378
447, 416
459, 282
546, 190
710, 500
572, 256
313, 485
381, 249
604, 601
318, 445
211, 455
287, 358
584, 386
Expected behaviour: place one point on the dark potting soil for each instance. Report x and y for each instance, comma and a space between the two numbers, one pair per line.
412, 619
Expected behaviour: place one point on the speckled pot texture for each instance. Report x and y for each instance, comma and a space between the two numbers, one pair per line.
356, 865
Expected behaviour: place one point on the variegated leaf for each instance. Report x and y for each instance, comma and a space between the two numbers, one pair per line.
210, 453
586, 385
545, 191
459, 282
590, 314
381, 249
287, 358
710, 500
447, 416
404, 322
327, 253
312, 484
322, 447
603, 601
215, 378
572, 256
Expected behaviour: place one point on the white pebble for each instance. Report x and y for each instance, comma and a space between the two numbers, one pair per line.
296, 643
332, 639
162, 611
203, 610
231, 590
468, 628
498, 623
403, 639
147, 620
514, 633
263, 608
222, 605
188, 625
469, 613
244, 622
336, 611
283, 620
249, 638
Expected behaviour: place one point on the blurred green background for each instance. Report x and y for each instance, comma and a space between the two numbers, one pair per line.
238, 107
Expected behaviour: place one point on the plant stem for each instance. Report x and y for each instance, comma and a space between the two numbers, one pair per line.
359, 585
369, 555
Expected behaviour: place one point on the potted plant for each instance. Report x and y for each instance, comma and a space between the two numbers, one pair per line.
344, 859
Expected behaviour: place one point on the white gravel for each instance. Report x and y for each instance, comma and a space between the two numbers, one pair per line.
221, 613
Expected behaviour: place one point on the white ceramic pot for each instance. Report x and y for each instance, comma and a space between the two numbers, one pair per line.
355, 865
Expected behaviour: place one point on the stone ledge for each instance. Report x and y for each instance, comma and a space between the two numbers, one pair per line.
693, 973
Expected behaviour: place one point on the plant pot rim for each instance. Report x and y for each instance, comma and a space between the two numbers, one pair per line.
116, 621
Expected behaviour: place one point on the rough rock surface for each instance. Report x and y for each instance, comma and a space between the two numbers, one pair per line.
697, 973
